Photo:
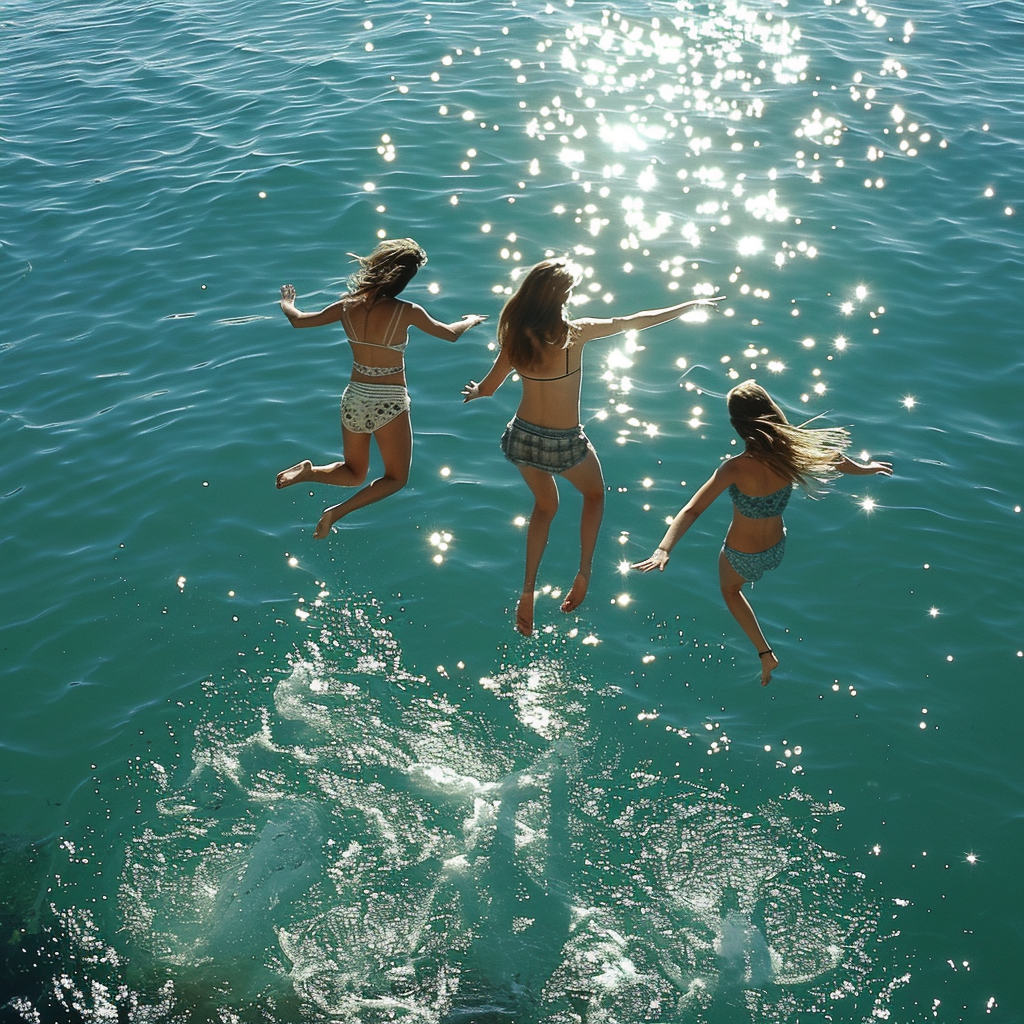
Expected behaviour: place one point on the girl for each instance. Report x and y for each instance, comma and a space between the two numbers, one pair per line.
376, 401
545, 439
760, 482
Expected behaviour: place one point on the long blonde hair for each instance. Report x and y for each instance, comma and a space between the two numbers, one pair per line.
796, 453
536, 313
386, 271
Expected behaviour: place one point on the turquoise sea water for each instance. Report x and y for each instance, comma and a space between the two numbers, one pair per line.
246, 776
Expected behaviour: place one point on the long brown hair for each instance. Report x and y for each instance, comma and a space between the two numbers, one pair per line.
796, 453
386, 271
536, 313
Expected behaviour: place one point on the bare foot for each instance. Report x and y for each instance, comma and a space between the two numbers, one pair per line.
769, 663
577, 592
295, 475
323, 527
524, 613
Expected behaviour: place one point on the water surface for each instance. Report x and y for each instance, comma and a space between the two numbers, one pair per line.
248, 776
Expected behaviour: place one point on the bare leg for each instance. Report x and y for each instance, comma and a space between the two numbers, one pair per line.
589, 481
545, 505
350, 472
737, 603
394, 440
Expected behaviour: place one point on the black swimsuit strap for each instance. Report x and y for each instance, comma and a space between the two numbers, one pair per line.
568, 372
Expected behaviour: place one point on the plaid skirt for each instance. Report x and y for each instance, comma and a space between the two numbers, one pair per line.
546, 448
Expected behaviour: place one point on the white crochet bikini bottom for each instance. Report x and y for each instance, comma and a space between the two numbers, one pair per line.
368, 407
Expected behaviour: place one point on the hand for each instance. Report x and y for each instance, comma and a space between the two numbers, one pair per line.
844, 464
474, 319
657, 561
287, 293
471, 391
709, 301
867, 468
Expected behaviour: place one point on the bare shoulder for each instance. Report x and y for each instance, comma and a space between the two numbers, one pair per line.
734, 469
590, 328
715, 484
336, 309
412, 312
753, 476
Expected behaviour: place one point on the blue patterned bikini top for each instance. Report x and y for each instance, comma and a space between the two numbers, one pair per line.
763, 506
389, 334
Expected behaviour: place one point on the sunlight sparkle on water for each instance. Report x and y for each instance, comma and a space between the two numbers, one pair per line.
655, 181
441, 541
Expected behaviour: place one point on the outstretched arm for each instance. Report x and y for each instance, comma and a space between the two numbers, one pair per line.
496, 375
685, 518
591, 328
328, 315
446, 332
848, 466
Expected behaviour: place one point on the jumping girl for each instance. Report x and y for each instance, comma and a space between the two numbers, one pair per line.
376, 401
544, 347
760, 482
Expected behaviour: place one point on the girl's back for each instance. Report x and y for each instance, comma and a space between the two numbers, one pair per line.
753, 477
751, 529
551, 386
374, 330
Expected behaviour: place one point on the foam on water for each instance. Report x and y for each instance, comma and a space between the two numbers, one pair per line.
377, 847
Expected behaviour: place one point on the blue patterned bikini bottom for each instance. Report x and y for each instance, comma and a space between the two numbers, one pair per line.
753, 565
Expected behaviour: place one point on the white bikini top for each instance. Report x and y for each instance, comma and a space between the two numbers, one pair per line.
389, 335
